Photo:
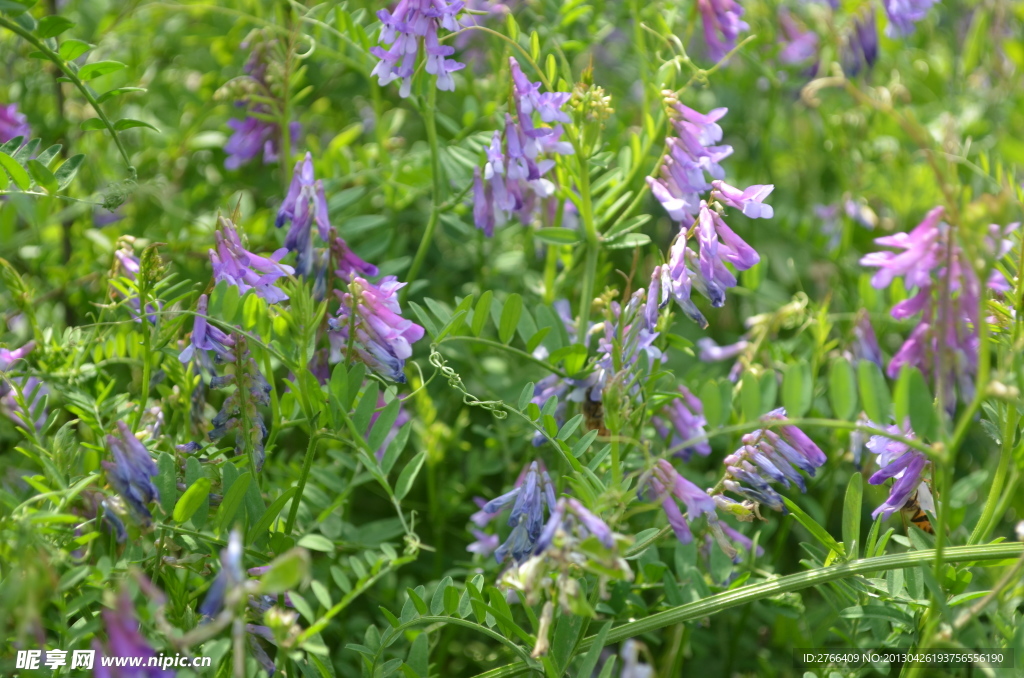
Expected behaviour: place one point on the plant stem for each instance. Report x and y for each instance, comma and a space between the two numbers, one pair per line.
983, 526
307, 464
435, 164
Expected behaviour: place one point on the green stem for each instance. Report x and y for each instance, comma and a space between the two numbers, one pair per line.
587, 293
75, 80
793, 582
983, 526
307, 464
435, 168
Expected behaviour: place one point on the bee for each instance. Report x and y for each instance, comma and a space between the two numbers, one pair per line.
912, 510
593, 416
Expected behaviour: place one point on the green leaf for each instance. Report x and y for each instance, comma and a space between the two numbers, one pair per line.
53, 25
48, 155
93, 124
65, 174
481, 311
558, 236
569, 428
367, 405
232, 501
510, 317
286, 572
43, 176
584, 443
317, 542
586, 668
437, 600
383, 425
628, 240
526, 395
874, 392
711, 399
842, 389
812, 526
395, 448
98, 68
71, 49
408, 475
116, 92
17, 172
912, 399
797, 389
272, 511
424, 318
167, 482
191, 500
128, 123
852, 513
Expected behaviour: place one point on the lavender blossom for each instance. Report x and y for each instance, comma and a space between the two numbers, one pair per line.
349, 263
628, 336
750, 200
124, 640
798, 46
667, 486
131, 472
710, 352
485, 544
414, 21
7, 359
860, 48
532, 492
567, 514
13, 123
865, 345
686, 417
34, 392
252, 136
230, 576
904, 15
304, 204
897, 460
245, 270
722, 25
370, 325
129, 264
512, 182
207, 337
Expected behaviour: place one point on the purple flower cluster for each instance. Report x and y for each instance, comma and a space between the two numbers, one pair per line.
691, 156
668, 487
897, 460
411, 22
567, 514
860, 46
258, 132
798, 46
131, 473
304, 204
512, 182
722, 25
629, 333
904, 15
686, 417
768, 457
13, 123
946, 292
243, 269
369, 327
207, 337
532, 492
32, 390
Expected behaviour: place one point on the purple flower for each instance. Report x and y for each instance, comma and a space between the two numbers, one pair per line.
12, 123
369, 322
252, 136
230, 576
34, 392
904, 15
411, 22
125, 640
566, 514
8, 358
304, 204
686, 416
349, 263
750, 200
897, 460
865, 345
722, 25
798, 46
626, 338
206, 337
245, 270
860, 49
485, 544
131, 472
532, 492
632, 667
711, 352
668, 486
129, 265
512, 182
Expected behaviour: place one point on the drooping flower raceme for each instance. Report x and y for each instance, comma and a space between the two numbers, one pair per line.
686, 417
304, 204
946, 291
722, 25
512, 182
369, 327
768, 456
533, 491
131, 473
416, 22
13, 123
691, 156
125, 641
207, 337
233, 263
666, 486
